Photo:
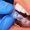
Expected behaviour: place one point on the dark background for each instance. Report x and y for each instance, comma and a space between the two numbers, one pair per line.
9, 1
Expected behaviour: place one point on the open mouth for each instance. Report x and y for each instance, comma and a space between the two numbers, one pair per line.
25, 20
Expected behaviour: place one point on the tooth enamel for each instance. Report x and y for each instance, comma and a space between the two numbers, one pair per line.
19, 8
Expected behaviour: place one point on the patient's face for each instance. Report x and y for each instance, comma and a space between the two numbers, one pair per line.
24, 3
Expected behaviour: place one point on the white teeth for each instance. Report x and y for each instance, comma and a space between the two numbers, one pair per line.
19, 8
25, 22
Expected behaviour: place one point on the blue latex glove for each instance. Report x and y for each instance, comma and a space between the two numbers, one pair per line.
5, 7
7, 20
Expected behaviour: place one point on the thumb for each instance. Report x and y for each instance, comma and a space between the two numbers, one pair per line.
5, 7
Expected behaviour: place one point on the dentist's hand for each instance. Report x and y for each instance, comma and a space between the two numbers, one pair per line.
5, 7
7, 20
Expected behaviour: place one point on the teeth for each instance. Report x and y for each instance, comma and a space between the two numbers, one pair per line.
19, 8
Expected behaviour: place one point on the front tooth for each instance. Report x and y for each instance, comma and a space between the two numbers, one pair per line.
19, 8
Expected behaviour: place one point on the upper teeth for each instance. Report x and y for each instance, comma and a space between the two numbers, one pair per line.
19, 8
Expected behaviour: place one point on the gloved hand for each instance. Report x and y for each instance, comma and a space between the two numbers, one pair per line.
5, 7
7, 20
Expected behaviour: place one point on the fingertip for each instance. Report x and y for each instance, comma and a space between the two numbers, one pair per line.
5, 7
